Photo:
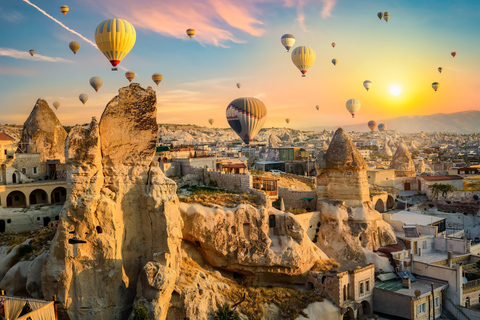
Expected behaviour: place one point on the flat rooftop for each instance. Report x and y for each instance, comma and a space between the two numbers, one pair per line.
422, 284
441, 178
408, 217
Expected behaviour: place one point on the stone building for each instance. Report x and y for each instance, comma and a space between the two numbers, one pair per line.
402, 163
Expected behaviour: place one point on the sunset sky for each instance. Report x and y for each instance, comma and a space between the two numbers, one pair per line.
239, 41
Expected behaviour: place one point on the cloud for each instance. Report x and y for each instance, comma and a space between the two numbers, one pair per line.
327, 8
301, 15
11, 16
17, 71
25, 55
61, 24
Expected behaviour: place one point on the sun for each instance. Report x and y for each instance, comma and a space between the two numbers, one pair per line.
395, 90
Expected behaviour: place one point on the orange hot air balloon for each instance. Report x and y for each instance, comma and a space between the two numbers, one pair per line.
190, 32
453, 54
130, 75
157, 78
64, 9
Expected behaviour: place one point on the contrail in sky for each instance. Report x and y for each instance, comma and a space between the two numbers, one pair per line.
25, 55
61, 24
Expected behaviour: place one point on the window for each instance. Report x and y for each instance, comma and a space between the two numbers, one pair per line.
437, 302
34, 170
422, 308
424, 245
361, 288
24, 170
5, 151
467, 302
367, 286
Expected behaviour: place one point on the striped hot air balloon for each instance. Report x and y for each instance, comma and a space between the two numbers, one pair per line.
367, 84
32, 52
64, 9
435, 85
288, 41
115, 38
353, 105
130, 75
190, 32
303, 58
372, 125
157, 78
386, 16
246, 116
74, 46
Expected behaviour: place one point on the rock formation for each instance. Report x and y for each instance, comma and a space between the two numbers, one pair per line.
341, 172
273, 141
386, 151
402, 162
121, 217
43, 133
287, 137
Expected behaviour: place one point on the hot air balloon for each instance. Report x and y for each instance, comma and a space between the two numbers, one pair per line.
334, 61
190, 32
32, 52
367, 84
83, 97
453, 54
353, 105
386, 16
287, 40
287, 120
64, 9
96, 83
382, 127
333, 44
130, 75
372, 125
380, 15
239, 85
211, 121
115, 38
246, 116
435, 85
56, 105
303, 58
74, 46
317, 107
157, 78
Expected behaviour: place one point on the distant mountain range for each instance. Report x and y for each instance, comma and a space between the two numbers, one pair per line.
459, 122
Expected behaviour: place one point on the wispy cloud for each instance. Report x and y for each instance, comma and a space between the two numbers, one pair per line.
17, 71
7, 52
11, 16
301, 14
328, 7
61, 24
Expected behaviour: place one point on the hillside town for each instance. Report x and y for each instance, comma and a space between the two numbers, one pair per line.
348, 225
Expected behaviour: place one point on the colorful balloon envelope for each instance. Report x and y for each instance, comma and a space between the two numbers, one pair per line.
157, 78
380, 15
435, 85
334, 61
64, 9
372, 125
440, 69
239, 85
130, 75
386, 16
333, 44
32, 52
287, 121
56, 105
367, 84
246, 116
83, 98
382, 127
74, 46
96, 83
453, 54
353, 105
288, 41
115, 38
190, 32
303, 58
211, 121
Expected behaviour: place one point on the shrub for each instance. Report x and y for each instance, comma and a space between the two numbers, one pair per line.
225, 312
141, 313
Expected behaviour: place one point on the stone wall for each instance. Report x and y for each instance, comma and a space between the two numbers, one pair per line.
291, 199
304, 179
170, 169
29, 161
233, 182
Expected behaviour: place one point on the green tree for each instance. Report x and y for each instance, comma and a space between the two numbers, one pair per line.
438, 188
141, 313
415, 153
225, 312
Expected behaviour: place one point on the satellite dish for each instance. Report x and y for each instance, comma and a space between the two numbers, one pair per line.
417, 293
475, 197
464, 280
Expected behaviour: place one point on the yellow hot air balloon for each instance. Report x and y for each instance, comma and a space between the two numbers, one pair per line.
130, 75
83, 97
334, 61
56, 105
211, 121
64, 9
287, 120
115, 38
74, 46
303, 58
32, 52
353, 105
157, 78
435, 85
367, 84
190, 32
386, 16
96, 83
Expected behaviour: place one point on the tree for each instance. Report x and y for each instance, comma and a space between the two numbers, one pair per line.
415, 153
141, 313
225, 312
438, 188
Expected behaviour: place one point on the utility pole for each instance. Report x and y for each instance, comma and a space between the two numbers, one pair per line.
433, 301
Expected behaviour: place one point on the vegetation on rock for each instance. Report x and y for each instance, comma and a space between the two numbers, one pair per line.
225, 312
